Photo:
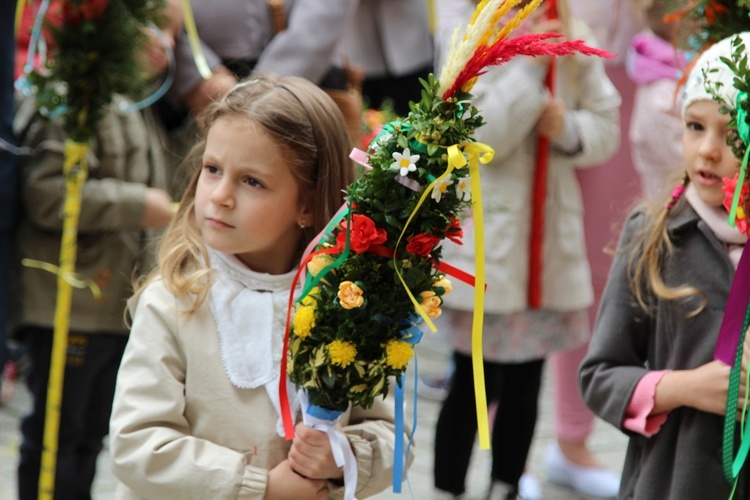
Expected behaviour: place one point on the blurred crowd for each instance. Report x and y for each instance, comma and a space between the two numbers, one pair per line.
615, 131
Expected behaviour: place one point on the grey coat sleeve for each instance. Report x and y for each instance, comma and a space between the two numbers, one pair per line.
618, 353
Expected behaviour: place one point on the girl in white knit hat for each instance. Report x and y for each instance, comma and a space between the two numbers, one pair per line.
650, 369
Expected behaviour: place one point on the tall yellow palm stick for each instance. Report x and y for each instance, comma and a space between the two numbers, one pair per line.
75, 170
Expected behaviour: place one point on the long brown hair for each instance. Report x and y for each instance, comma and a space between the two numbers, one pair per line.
648, 254
306, 123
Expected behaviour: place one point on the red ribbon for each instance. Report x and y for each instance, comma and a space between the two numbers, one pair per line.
539, 194
457, 273
286, 412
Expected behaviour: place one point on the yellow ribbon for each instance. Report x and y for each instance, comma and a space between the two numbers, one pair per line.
19, 15
75, 171
425, 193
75, 280
431, 16
195, 43
477, 153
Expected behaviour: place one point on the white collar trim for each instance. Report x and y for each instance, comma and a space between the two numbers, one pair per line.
249, 309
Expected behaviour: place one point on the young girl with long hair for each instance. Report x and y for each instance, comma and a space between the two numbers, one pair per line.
650, 369
196, 411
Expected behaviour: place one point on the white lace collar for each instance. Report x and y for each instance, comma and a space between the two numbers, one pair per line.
249, 309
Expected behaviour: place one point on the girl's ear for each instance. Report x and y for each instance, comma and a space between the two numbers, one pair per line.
305, 218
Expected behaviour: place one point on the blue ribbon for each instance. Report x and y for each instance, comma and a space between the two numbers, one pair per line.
322, 413
151, 99
411, 335
36, 33
398, 450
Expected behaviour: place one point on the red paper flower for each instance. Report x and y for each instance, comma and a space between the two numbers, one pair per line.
89, 10
454, 231
741, 217
421, 244
364, 233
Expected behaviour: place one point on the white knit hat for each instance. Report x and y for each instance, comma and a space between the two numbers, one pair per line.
716, 72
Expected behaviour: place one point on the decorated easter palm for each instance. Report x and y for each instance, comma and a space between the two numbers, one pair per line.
377, 272
93, 56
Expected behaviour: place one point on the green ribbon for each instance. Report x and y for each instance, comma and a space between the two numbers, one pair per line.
390, 128
312, 281
733, 464
743, 129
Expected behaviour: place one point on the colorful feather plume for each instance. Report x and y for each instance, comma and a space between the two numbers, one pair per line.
486, 44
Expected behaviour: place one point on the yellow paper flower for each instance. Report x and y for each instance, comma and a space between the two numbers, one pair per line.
398, 354
350, 295
309, 299
318, 263
341, 353
304, 321
431, 303
445, 284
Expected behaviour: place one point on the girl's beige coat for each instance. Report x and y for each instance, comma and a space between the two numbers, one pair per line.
180, 429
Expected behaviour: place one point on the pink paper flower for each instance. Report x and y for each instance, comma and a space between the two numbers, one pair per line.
741, 217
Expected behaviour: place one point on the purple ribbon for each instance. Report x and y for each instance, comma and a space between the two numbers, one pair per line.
734, 314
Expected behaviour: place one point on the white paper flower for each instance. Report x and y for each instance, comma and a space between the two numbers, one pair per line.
440, 188
405, 162
385, 138
463, 187
378, 143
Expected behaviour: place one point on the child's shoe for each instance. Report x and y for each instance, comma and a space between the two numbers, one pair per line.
529, 488
503, 491
589, 481
435, 388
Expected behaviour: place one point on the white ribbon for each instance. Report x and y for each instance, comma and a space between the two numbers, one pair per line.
340, 446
